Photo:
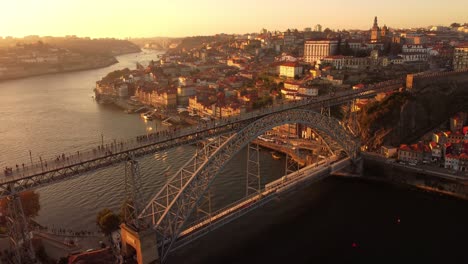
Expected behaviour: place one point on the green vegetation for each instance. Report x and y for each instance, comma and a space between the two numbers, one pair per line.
115, 75
383, 114
107, 221
264, 101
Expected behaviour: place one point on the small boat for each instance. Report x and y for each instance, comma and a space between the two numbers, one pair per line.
276, 156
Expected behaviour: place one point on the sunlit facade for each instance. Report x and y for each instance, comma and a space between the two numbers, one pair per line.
460, 58
315, 50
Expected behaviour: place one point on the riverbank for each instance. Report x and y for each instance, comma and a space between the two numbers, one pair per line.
40, 70
379, 170
53, 69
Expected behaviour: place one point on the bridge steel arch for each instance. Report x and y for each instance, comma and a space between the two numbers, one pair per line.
169, 220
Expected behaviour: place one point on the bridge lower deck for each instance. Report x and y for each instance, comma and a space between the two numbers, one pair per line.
223, 216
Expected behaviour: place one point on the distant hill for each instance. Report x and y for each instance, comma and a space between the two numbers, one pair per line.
109, 47
195, 42
84, 46
35, 55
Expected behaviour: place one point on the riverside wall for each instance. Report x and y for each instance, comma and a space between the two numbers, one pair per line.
381, 171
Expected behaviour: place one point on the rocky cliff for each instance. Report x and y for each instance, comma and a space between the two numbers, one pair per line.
404, 117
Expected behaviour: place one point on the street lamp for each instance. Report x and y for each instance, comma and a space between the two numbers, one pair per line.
30, 157
40, 158
148, 129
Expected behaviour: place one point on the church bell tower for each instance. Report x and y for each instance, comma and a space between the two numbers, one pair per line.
375, 32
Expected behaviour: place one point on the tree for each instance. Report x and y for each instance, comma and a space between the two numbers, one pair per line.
346, 49
362, 54
107, 221
30, 202
395, 49
453, 25
338, 48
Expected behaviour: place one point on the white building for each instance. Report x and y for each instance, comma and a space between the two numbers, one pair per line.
307, 91
345, 62
356, 45
460, 57
414, 56
414, 53
451, 162
415, 48
290, 69
296, 91
315, 50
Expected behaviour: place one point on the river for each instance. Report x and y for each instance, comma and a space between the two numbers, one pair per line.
53, 114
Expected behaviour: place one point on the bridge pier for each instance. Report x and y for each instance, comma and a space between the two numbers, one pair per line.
18, 230
143, 243
358, 166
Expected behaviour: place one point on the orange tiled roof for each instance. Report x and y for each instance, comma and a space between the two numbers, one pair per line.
290, 64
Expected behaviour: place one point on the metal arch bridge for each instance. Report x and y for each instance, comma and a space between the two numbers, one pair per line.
87, 161
169, 210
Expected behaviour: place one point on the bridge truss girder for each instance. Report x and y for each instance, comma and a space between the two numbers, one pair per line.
171, 207
172, 196
133, 202
18, 231
253, 181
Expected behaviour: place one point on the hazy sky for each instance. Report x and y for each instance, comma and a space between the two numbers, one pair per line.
145, 18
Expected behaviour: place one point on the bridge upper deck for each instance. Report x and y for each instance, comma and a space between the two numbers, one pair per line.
63, 167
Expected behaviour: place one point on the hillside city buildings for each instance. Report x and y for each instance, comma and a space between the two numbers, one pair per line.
448, 148
225, 75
